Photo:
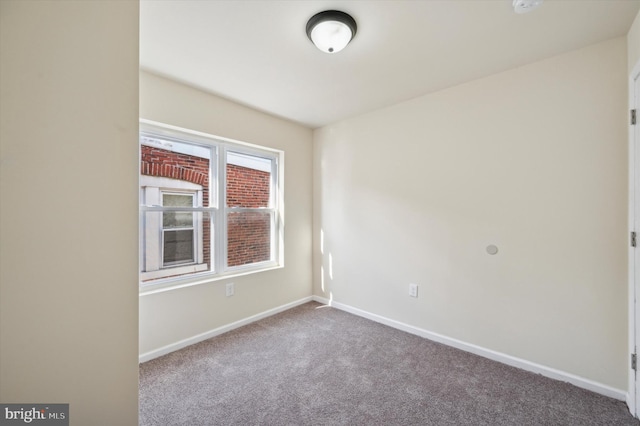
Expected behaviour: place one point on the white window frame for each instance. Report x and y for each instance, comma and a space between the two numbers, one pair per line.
217, 208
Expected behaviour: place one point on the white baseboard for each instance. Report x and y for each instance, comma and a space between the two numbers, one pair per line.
487, 353
148, 356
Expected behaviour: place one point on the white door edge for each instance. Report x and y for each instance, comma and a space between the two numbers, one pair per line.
633, 400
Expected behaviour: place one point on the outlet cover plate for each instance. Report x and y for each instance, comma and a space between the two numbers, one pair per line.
413, 290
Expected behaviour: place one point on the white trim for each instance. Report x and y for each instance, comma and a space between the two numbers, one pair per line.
148, 356
169, 130
484, 352
177, 270
169, 285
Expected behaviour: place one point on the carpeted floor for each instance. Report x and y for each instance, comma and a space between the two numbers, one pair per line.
315, 365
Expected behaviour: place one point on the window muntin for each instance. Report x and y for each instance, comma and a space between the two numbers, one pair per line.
185, 230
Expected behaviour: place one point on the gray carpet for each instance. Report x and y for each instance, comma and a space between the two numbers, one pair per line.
315, 365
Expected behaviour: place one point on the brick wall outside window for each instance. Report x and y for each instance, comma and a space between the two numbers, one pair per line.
164, 163
248, 233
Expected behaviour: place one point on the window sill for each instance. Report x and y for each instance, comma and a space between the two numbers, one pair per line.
180, 270
149, 289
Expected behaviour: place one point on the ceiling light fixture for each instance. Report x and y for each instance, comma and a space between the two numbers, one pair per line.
524, 6
331, 30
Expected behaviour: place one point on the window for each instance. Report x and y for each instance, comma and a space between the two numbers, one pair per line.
208, 207
178, 231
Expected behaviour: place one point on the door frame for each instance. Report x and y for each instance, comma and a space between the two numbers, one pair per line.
633, 396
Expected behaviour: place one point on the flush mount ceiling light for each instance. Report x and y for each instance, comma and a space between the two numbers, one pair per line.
524, 6
331, 30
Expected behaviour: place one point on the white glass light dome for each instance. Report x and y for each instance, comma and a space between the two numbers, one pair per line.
331, 30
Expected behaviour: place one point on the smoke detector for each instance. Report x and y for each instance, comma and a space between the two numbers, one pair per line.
524, 6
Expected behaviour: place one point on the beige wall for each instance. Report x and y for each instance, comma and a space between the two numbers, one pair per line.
68, 209
532, 160
633, 42
168, 317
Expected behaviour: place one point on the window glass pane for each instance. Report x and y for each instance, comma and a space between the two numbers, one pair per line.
177, 219
248, 237
248, 180
177, 200
178, 246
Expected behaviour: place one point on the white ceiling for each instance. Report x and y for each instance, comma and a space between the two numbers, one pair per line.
257, 52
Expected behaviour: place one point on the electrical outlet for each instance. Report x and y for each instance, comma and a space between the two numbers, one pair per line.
413, 290
230, 289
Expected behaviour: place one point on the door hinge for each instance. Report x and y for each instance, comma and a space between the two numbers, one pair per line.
634, 362
633, 239
633, 117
